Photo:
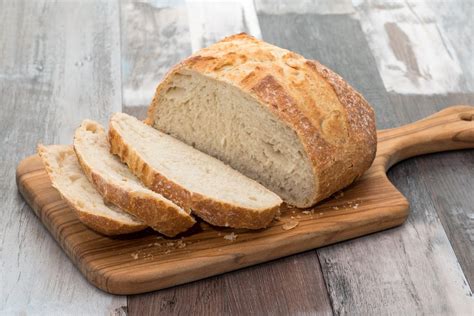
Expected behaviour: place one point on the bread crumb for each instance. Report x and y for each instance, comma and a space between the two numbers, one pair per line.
290, 225
167, 251
170, 244
298, 216
339, 195
135, 255
356, 206
321, 213
335, 207
181, 244
306, 212
149, 256
277, 215
157, 244
231, 236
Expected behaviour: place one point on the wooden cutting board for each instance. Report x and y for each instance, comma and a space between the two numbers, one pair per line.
146, 261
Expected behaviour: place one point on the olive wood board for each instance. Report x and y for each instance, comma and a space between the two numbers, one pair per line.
147, 261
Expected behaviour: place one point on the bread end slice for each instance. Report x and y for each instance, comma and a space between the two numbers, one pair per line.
117, 184
66, 176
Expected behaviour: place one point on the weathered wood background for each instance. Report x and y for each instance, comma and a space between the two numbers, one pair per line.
61, 62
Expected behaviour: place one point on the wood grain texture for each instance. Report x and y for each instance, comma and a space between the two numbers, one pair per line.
420, 46
139, 263
378, 273
210, 21
155, 36
274, 288
280, 7
59, 63
438, 175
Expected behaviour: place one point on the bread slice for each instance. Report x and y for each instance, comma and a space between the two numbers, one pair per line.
214, 191
67, 177
285, 121
117, 184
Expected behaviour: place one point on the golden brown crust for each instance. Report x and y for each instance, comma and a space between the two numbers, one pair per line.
361, 127
160, 215
104, 225
334, 123
100, 224
214, 212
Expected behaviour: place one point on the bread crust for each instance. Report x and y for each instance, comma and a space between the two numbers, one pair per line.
101, 224
161, 215
104, 225
334, 123
214, 212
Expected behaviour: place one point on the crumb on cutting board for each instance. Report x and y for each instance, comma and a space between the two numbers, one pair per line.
232, 236
290, 225
338, 195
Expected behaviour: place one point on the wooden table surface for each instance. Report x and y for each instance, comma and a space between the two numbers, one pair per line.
61, 62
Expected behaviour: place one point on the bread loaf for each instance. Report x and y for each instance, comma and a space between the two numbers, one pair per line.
289, 123
117, 184
67, 177
193, 180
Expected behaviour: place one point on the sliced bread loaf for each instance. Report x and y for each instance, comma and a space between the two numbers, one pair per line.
117, 184
67, 177
288, 122
214, 191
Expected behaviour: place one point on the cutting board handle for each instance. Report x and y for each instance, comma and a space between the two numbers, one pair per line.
448, 129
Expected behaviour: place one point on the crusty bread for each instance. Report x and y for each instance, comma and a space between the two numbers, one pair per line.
117, 184
67, 177
287, 122
214, 191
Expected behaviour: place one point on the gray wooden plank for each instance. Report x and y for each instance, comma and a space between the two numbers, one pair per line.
155, 36
304, 7
60, 63
410, 269
455, 22
437, 43
211, 20
290, 286
450, 177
